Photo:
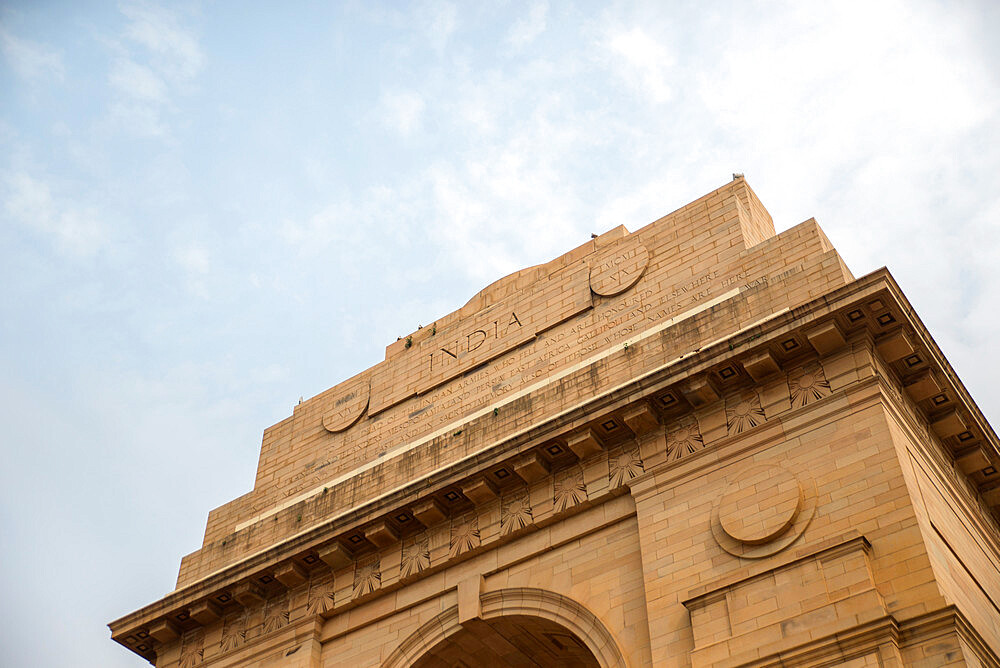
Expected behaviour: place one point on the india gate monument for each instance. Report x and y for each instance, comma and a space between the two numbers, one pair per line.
698, 443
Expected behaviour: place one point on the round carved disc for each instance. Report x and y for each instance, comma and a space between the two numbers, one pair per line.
347, 405
618, 267
760, 505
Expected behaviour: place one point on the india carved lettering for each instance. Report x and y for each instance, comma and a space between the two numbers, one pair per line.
461, 346
473, 341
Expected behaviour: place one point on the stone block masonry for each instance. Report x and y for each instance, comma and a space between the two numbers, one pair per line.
699, 443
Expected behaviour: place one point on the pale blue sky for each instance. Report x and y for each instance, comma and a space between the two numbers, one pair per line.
210, 210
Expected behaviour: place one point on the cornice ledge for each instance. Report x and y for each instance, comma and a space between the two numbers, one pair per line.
727, 346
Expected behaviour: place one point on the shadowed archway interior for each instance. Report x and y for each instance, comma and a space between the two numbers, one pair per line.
511, 640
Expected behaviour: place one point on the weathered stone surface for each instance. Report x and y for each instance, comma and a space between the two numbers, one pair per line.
826, 338
923, 385
699, 391
428, 512
479, 491
335, 555
895, 345
164, 630
949, 423
381, 534
205, 612
248, 594
290, 574
761, 365
641, 418
584, 443
531, 467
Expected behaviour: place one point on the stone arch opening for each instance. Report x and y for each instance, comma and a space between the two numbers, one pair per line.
516, 627
515, 641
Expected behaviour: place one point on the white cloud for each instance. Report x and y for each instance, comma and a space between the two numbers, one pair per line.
643, 62
156, 60
144, 120
30, 60
822, 72
330, 225
28, 200
76, 231
402, 111
527, 28
439, 22
194, 259
504, 205
137, 81
158, 30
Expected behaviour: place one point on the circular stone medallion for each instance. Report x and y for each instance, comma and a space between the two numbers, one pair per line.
762, 511
761, 505
618, 267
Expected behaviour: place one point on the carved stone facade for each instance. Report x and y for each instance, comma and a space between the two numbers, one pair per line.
701, 443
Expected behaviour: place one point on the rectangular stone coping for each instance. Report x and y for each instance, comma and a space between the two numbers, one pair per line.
706, 593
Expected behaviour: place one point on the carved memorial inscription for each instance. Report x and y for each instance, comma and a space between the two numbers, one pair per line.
618, 267
505, 334
461, 346
348, 406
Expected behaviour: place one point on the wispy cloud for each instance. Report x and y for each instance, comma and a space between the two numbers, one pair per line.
73, 230
401, 111
439, 20
194, 259
195, 262
156, 59
642, 62
176, 50
527, 28
138, 82
31, 61
539, 212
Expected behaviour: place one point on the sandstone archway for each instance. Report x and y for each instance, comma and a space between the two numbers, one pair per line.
518, 627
